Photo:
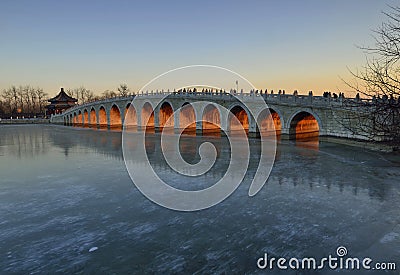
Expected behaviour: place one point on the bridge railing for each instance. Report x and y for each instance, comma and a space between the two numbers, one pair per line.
289, 98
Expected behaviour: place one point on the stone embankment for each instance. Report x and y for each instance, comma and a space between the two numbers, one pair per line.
25, 121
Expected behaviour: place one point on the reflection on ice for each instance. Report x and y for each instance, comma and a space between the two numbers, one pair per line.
324, 169
65, 190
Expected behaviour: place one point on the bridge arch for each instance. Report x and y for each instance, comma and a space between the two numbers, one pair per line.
85, 117
115, 116
165, 115
187, 118
147, 116
289, 114
93, 117
75, 121
304, 124
270, 120
242, 114
102, 116
80, 118
211, 119
131, 119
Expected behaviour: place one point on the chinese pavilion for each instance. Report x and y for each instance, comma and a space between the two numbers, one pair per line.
60, 103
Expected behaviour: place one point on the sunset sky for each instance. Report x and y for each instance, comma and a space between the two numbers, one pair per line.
303, 45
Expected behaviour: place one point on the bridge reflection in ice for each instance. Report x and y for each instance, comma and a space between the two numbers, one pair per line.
30, 141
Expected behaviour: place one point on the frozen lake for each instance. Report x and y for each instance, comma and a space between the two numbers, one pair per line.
65, 191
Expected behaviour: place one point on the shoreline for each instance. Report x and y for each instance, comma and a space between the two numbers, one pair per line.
25, 121
364, 144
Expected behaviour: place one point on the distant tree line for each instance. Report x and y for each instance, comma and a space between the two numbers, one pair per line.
84, 95
22, 101
122, 90
27, 101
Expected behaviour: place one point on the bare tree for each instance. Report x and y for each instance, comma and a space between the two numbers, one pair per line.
14, 93
21, 105
82, 94
11, 100
123, 90
24, 100
41, 99
377, 85
27, 99
108, 94
8, 101
35, 104
2, 109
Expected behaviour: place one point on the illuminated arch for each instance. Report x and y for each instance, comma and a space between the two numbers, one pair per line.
242, 115
93, 118
79, 118
102, 117
304, 124
147, 116
269, 122
75, 119
187, 118
211, 120
85, 118
115, 116
130, 116
165, 119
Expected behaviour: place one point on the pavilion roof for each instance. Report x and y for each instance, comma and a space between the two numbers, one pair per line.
62, 97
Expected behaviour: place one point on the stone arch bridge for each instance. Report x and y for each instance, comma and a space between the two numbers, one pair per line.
291, 116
